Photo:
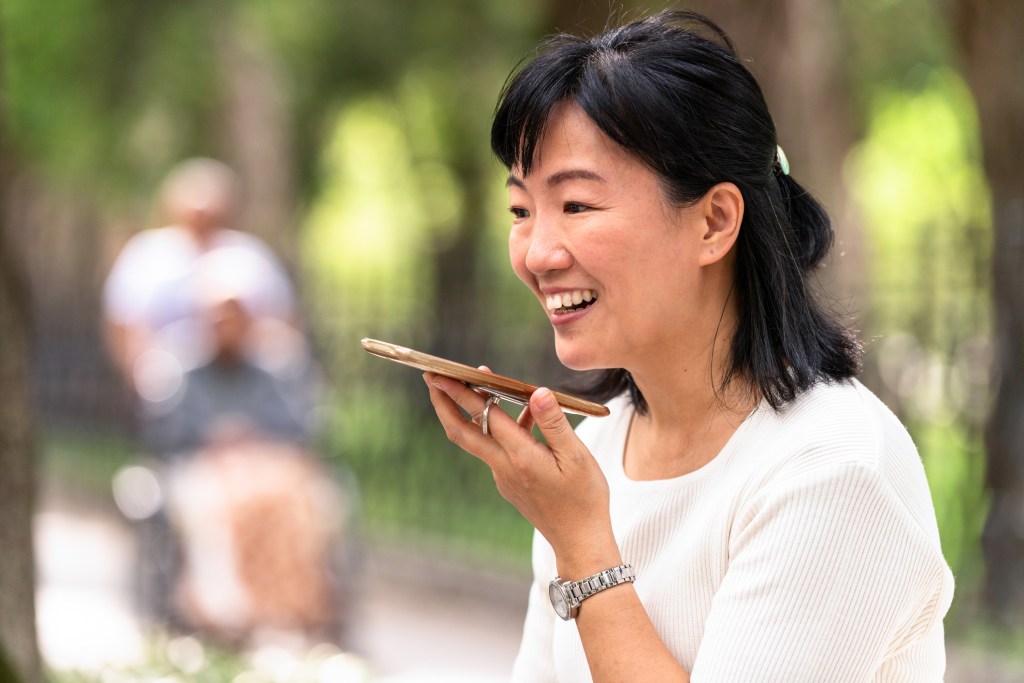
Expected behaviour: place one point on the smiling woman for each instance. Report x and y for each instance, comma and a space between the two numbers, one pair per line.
749, 511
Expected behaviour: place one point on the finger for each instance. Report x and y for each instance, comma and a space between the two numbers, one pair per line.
526, 420
446, 387
551, 421
470, 400
466, 436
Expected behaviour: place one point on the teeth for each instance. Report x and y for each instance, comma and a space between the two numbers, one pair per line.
572, 298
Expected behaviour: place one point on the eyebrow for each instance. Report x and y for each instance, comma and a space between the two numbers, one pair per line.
558, 178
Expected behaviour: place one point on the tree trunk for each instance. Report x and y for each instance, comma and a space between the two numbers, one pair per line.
255, 129
583, 17
988, 32
17, 481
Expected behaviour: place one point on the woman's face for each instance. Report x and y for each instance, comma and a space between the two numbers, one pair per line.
611, 261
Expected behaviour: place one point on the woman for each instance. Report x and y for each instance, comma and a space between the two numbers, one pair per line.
774, 514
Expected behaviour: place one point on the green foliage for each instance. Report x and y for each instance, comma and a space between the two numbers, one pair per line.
954, 460
365, 235
101, 95
919, 185
7, 674
918, 180
891, 45
83, 461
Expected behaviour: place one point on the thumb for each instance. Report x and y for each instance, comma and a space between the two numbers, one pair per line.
551, 420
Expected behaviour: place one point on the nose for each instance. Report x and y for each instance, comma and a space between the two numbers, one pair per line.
547, 250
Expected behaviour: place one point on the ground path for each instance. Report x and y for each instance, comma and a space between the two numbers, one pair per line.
416, 621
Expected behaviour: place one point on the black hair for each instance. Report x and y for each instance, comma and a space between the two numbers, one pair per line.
671, 91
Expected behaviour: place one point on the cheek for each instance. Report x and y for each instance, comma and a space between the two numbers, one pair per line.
517, 249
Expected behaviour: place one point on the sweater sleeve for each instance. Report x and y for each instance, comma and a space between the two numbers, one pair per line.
829, 578
130, 284
535, 663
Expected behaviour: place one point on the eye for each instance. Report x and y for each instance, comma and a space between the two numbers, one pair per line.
518, 213
575, 207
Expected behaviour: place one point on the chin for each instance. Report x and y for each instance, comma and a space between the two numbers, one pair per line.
574, 355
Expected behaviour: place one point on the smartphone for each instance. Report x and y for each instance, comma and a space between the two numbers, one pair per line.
496, 385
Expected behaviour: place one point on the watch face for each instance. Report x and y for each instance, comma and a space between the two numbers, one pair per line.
558, 600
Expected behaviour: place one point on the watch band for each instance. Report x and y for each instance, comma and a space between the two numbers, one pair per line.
583, 589
575, 592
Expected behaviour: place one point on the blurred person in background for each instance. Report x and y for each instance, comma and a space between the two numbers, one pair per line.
749, 511
241, 530
250, 526
150, 298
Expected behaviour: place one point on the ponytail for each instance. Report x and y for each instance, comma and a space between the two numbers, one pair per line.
786, 341
812, 227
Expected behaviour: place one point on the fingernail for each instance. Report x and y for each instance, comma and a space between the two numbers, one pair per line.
545, 399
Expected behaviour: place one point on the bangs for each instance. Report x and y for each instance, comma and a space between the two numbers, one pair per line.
634, 107
528, 98
643, 85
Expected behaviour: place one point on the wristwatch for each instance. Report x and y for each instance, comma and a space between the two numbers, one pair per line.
566, 596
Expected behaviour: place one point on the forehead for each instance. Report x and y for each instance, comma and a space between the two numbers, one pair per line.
571, 140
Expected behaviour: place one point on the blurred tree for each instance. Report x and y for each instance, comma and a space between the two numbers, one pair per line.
6, 672
989, 35
17, 453
440, 65
256, 128
583, 17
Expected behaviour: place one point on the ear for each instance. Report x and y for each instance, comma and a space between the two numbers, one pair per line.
722, 214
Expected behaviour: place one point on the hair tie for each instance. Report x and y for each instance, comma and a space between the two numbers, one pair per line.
781, 164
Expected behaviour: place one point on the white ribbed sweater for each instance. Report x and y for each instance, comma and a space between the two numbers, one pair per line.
807, 550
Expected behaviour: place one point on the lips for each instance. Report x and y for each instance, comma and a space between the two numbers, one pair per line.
570, 301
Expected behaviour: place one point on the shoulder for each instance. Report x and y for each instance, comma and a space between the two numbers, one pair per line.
244, 241
837, 466
238, 252
154, 239
840, 423
150, 253
841, 440
148, 259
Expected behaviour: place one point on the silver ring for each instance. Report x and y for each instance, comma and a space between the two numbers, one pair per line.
491, 401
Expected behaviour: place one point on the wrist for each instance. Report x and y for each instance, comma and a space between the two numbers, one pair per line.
587, 558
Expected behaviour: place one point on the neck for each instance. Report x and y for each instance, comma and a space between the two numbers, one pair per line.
690, 415
227, 359
199, 235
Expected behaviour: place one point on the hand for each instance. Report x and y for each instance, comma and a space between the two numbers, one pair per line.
558, 487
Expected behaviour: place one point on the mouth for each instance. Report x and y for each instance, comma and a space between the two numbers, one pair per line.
564, 303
